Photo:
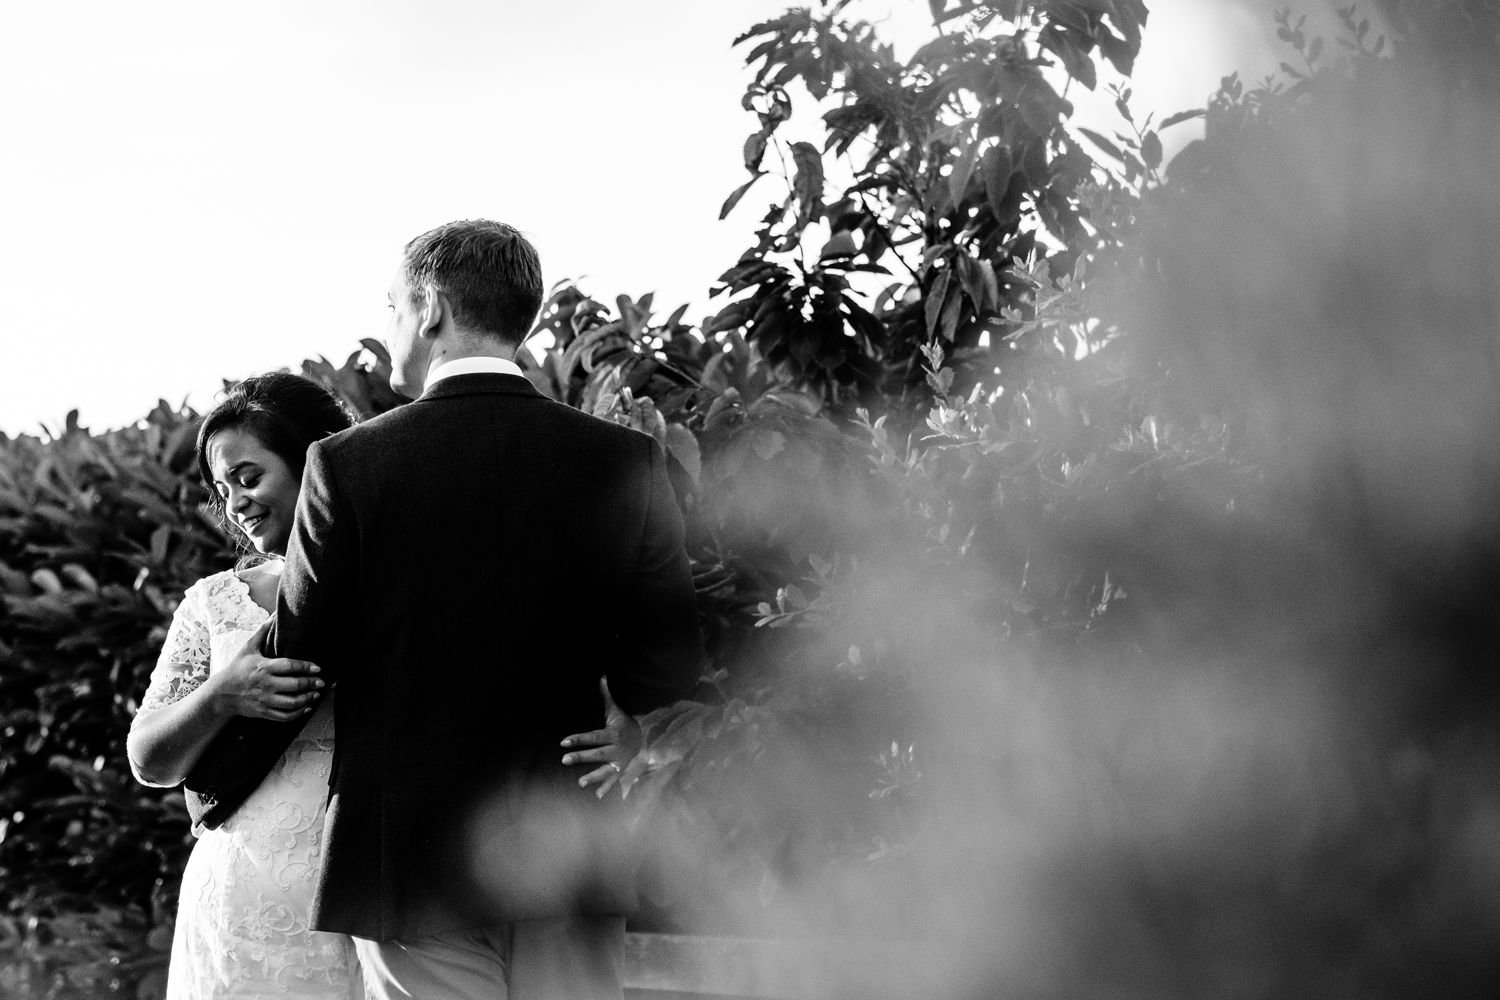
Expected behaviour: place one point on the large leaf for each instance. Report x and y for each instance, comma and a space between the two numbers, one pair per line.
963, 169
1151, 150
683, 446
1075, 59
807, 184
932, 302
1182, 116
755, 150
1103, 143
737, 194
998, 167
839, 245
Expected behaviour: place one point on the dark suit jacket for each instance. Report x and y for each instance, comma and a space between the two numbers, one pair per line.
464, 569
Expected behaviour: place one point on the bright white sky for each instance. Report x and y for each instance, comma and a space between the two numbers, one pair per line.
196, 191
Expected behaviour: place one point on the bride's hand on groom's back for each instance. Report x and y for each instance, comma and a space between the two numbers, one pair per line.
611, 748
263, 687
639, 413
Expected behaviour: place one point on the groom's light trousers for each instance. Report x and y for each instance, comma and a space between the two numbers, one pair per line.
565, 958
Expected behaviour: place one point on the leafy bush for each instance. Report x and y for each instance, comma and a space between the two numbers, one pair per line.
84, 953
1042, 623
100, 534
1142, 610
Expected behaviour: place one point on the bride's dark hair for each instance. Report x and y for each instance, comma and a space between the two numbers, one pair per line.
284, 412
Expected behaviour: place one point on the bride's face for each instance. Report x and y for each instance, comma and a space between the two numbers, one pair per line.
258, 488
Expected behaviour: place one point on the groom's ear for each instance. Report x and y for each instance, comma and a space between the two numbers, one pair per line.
433, 307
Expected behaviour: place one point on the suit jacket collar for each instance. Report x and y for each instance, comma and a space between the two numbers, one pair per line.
478, 383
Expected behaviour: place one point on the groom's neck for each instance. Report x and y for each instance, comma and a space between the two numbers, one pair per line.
473, 347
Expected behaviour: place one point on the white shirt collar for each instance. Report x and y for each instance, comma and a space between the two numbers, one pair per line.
471, 366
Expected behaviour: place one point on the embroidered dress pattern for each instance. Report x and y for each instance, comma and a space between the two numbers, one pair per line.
242, 917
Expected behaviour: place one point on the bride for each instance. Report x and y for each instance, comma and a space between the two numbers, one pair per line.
242, 919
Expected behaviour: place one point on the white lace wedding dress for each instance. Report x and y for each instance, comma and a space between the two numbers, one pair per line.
242, 917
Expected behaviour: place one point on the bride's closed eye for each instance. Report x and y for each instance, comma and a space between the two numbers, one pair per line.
247, 483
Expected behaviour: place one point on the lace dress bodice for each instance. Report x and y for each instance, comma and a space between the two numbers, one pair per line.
242, 920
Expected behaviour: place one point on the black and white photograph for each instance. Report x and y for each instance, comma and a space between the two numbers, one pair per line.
734, 500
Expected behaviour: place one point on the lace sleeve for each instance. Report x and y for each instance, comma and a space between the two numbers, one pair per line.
183, 663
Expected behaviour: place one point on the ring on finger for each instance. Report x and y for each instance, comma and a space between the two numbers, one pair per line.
616, 766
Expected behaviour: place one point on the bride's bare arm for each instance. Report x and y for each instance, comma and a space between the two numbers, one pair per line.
165, 741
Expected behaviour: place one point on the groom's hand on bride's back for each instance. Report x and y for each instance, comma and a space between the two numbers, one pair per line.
611, 748
263, 687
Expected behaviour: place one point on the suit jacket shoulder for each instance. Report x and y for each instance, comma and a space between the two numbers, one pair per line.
384, 439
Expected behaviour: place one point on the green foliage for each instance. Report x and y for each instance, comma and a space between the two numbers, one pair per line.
873, 489
89, 952
100, 534
363, 381
995, 560
797, 418
958, 160
1081, 584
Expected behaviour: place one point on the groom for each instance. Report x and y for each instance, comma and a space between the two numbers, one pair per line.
466, 568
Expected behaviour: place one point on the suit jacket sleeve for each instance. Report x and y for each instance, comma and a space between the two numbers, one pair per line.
312, 620
660, 651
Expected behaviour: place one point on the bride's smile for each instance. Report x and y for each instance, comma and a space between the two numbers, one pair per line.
258, 488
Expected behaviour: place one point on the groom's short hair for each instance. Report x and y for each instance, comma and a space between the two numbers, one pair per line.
488, 271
